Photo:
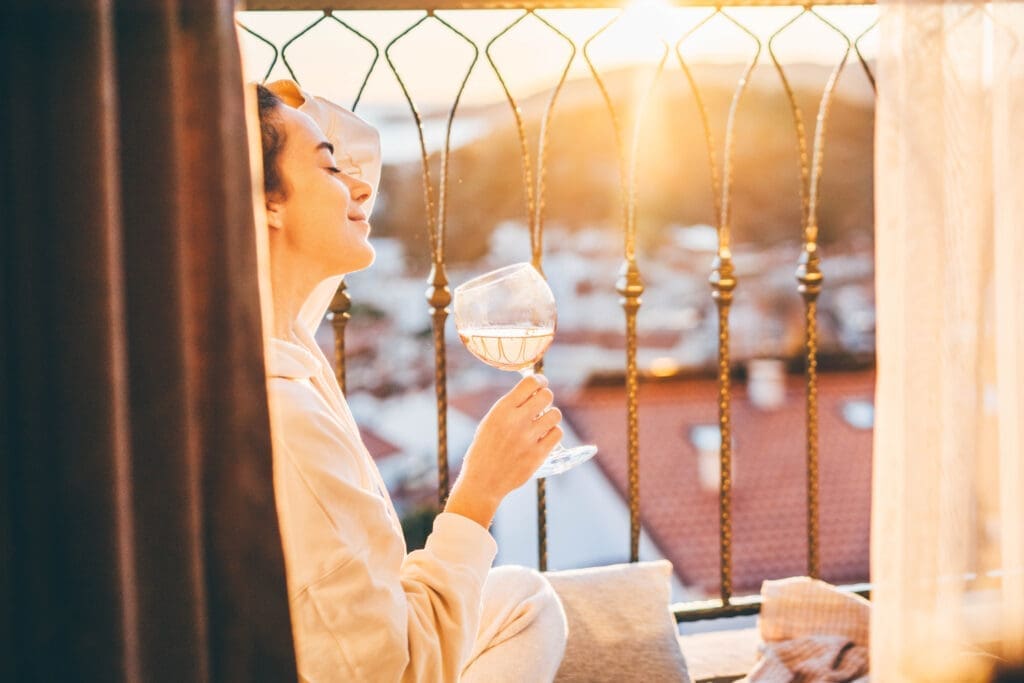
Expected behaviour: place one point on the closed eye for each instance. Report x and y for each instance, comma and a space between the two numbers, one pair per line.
334, 170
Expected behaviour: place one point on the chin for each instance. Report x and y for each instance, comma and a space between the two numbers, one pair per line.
363, 260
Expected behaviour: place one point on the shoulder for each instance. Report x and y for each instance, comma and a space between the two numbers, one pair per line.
327, 506
309, 434
293, 396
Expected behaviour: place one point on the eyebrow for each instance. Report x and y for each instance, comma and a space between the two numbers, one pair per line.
326, 145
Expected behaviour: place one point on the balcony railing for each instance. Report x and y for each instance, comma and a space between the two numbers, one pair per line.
809, 138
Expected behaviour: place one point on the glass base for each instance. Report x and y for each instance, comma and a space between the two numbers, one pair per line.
562, 459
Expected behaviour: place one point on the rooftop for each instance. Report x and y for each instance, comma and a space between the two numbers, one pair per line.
769, 486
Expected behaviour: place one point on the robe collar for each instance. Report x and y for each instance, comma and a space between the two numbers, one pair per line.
289, 360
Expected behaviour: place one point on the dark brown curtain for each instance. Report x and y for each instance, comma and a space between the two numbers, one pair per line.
139, 538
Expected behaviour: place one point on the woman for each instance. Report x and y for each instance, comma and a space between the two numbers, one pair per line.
362, 608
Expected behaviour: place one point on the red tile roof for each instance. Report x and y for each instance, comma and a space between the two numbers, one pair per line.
476, 403
378, 446
769, 488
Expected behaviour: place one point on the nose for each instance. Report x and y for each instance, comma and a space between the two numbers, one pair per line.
360, 190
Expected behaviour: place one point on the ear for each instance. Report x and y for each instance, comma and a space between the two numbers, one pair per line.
275, 214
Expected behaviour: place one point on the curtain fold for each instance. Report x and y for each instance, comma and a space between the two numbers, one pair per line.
948, 517
138, 513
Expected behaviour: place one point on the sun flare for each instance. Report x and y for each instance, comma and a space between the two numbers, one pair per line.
645, 20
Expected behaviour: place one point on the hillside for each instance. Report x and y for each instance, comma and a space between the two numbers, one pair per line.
583, 181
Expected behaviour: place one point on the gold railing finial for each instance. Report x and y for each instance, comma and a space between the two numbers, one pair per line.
339, 309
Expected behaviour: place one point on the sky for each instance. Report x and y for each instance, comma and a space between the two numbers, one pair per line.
332, 61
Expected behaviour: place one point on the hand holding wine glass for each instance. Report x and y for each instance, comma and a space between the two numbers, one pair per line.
509, 446
507, 319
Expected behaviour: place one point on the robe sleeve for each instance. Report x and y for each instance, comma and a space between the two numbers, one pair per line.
362, 609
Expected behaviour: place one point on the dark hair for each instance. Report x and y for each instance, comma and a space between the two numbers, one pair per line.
272, 139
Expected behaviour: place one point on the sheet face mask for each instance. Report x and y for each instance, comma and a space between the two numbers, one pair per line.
357, 153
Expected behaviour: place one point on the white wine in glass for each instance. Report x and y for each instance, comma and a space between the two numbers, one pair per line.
507, 319
508, 348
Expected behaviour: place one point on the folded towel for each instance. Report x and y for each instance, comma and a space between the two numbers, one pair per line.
812, 633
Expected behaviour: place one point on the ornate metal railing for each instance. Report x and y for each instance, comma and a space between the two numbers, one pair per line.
630, 285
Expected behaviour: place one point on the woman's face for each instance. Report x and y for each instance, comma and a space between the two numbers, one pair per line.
320, 222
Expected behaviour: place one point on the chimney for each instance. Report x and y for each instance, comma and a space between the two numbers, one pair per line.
707, 440
766, 383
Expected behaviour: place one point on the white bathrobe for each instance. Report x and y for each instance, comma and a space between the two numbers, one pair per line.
362, 609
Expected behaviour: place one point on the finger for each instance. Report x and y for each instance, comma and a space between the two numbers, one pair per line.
551, 439
546, 421
538, 403
526, 388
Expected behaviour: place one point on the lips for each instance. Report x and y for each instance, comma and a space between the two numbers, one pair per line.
357, 217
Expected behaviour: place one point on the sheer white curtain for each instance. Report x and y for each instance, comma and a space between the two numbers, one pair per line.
948, 518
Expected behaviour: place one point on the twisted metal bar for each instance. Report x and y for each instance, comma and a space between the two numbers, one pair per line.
542, 525
438, 294
629, 285
721, 192
524, 146
542, 507
534, 197
723, 282
798, 122
537, 233
616, 127
808, 273
537, 249
635, 154
709, 139
724, 228
819, 130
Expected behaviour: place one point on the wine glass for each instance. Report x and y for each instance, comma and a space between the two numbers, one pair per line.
506, 318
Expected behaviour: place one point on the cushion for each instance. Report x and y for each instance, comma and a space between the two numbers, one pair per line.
721, 654
620, 624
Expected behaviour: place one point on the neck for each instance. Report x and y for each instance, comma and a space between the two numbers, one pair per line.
290, 285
